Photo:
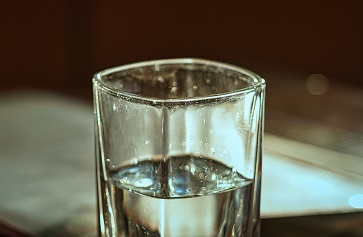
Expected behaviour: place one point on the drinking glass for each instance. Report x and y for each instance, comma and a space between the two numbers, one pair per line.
179, 148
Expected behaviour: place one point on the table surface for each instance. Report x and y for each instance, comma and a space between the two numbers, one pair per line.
48, 168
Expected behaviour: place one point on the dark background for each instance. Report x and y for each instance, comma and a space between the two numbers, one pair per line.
59, 45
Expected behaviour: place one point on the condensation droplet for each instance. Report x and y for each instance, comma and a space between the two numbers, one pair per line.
238, 115
135, 161
213, 150
161, 79
203, 120
207, 81
174, 89
108, 160
147, 142
114, 107
195, 87
157, 67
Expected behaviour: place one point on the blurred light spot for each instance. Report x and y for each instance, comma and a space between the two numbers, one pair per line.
356, 201
317, 84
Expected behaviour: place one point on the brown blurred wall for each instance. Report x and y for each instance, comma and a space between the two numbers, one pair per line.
59, 44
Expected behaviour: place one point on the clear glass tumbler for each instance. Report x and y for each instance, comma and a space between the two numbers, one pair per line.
179, 148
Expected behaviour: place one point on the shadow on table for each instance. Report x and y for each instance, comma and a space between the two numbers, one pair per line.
335, 225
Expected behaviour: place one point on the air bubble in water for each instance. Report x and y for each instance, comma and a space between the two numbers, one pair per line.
195, 87
147, 142
114, 107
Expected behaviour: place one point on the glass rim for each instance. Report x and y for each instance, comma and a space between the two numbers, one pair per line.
257, 81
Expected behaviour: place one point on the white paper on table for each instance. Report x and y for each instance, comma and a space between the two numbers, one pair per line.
300, 179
